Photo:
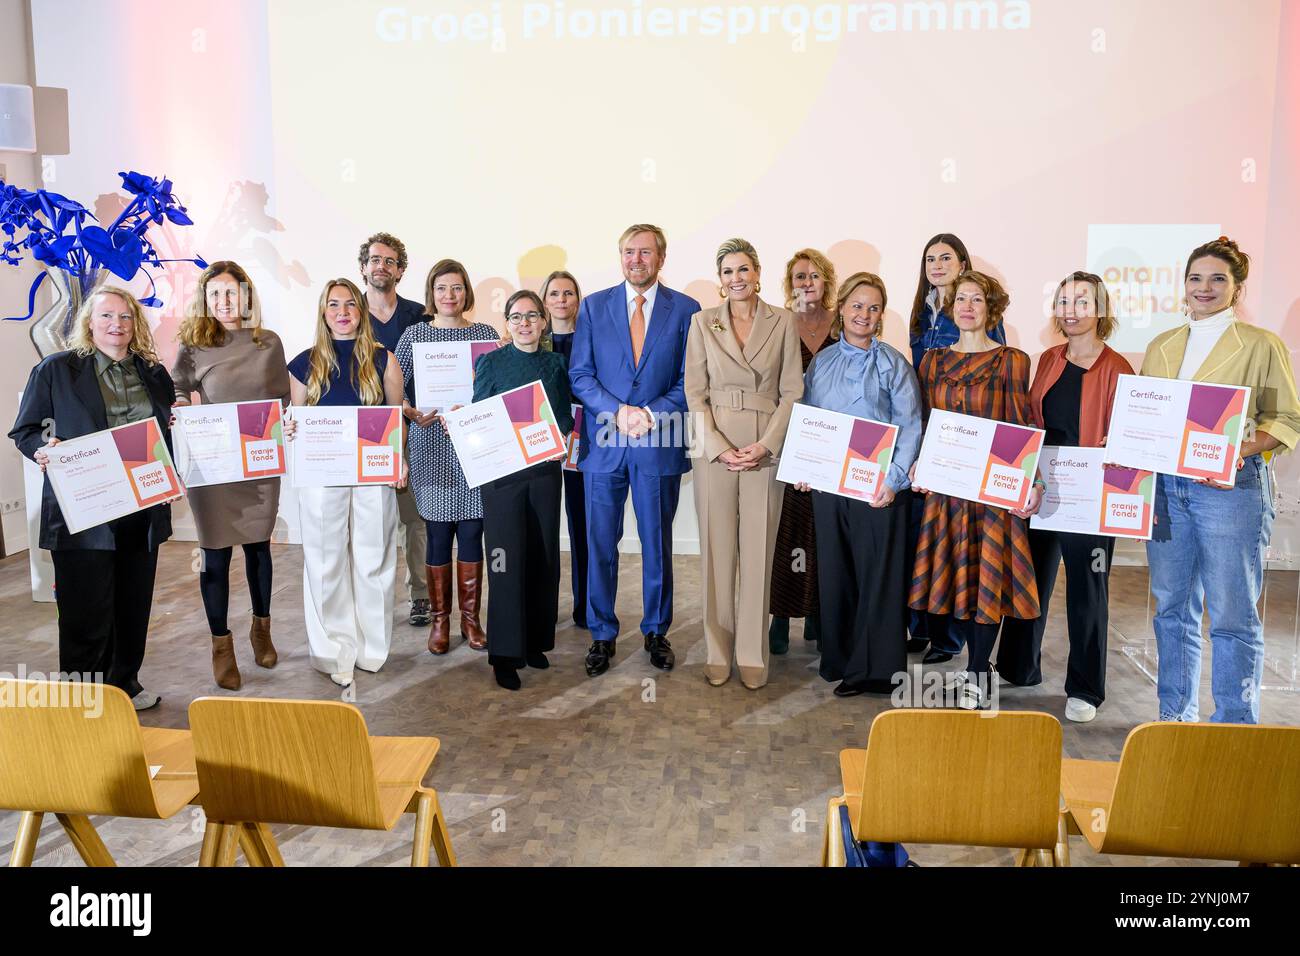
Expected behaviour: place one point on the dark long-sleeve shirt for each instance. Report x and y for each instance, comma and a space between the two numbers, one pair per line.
508, 368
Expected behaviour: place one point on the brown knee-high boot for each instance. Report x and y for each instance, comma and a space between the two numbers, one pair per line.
469, 591
224, 668
439, 579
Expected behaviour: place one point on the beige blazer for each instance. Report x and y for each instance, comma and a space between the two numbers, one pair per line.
738, 397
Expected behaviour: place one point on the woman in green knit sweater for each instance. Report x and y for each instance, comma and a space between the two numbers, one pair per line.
521, 512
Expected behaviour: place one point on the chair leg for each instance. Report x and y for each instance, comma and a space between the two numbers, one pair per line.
1063, 839
833, 842
85, 839
1026, 858
1045, 858
423, 829
29, 831
270, 849
258, 845
227, 844
441, 838
211, 839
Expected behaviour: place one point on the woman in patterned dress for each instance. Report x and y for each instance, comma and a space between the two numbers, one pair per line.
973, 565
810, 295
450, 508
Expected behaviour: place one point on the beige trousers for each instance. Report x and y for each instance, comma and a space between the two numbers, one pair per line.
738, 514
413, 538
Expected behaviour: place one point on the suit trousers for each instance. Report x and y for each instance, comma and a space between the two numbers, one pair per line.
739, 513
104, 600
1087, 560
413, 538
862, 586
521, 534
349, 566
654, 502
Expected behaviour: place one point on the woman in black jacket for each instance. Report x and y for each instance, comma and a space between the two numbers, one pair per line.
103, 576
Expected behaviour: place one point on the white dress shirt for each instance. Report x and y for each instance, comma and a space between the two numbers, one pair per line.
646, 308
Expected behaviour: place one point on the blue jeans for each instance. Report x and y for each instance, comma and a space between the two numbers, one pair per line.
1210, 542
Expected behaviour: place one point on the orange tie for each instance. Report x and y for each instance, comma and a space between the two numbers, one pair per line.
638, 329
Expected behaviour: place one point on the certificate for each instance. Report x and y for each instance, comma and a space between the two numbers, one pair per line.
1169, 425
1085, 496
238, 441
575, 440
112, 473
504, 434
346, 445
444, 372
978, 459
834, 452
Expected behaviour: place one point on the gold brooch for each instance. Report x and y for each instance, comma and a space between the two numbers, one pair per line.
717, 326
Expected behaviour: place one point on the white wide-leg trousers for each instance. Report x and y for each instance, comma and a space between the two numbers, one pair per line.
349, 552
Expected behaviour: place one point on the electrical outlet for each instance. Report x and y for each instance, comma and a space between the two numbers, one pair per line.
11, 506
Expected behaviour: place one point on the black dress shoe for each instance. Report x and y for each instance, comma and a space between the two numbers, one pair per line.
845, 689
916, 644
661, 652
598, 657
936, 657
537, 660
507, 677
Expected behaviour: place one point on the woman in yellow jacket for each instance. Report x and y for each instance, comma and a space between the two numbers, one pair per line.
1209, 538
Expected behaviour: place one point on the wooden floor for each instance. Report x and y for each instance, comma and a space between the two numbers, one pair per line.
634, 767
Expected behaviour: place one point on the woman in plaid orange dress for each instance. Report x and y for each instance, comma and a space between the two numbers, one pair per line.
973, 565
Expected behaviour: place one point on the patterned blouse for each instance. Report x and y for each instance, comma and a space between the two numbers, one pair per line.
436, 478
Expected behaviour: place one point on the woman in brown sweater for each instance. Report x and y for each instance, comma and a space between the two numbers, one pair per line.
226, 356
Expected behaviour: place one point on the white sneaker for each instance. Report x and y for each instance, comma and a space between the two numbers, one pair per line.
969, 695
145, 699
343, 678
1079, 710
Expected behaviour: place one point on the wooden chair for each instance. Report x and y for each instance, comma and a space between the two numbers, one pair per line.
73, 755
953, 777
310, 763
1204, 791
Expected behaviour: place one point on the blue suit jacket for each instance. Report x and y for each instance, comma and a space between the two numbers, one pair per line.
604, 377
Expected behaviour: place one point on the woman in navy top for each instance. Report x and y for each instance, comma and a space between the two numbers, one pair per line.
561, 298
349, 542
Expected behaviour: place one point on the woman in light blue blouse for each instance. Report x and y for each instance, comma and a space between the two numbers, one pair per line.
862, 565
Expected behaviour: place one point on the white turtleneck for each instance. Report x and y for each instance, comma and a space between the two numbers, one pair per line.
1203, 335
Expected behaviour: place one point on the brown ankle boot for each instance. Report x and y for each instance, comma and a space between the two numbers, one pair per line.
469, 589
439, 580
224, 668
259, 635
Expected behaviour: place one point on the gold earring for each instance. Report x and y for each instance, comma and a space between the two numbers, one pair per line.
722, 293
758, 287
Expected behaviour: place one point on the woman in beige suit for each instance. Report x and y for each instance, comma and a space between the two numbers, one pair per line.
743, 376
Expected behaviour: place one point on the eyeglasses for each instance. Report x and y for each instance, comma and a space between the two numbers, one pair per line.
519, 318
385, 260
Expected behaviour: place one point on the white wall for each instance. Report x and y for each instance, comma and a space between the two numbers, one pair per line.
17, 354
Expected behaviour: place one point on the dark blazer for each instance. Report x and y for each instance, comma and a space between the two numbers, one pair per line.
604, 377
63, 390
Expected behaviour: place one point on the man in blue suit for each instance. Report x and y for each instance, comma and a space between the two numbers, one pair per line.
628, 370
